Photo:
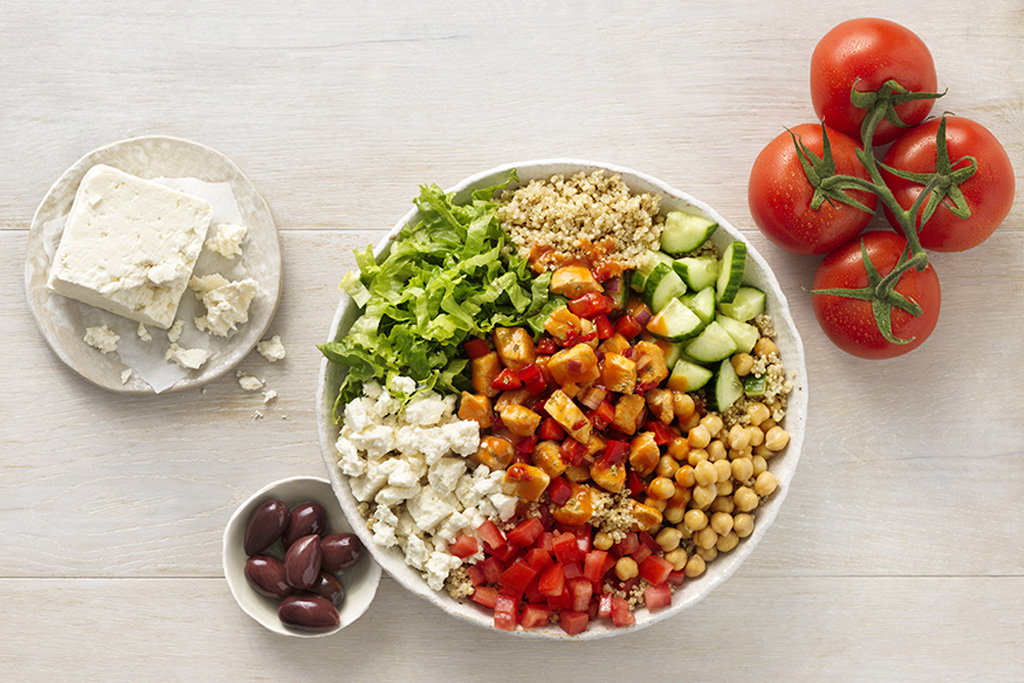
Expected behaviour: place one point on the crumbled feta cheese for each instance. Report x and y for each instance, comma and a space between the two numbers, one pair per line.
174, 333
429, 509
384, 526
349, 460
439, 566
364, 488
425, 410
444, 474
248, 382
272, 349
227, 302
228, 240
393, 495
126, 375
372, 390
416, 552
191, 359
405, 385
451, 526
463, 436
376, 440
101, 337
505, 505
269, 395
357, 415
143, 333
400, 473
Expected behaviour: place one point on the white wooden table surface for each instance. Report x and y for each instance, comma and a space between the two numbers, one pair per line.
898, 554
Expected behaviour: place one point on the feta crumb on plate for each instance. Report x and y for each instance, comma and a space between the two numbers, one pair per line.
192, 359
227, 240
226, 301
174, 333
101, 337
143, 333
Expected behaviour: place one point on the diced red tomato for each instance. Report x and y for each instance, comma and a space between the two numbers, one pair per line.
589, 305
593, 564
552, 581
566, 551
464, 546
533, 379
641, 553
676, 578
648, 541
662, 434
628, 326
539, 559
476, 575
559, 491
535, 615
628, 544
592, 608
658, 596
561, 601
604, 327
583, 544
655, 569
491, 568
518, 576
491, 534
602, 416
550, 430
505, 613
604, 606
546, 542
526, 532
504, 552
573, 570
581, 590
621, 615
485, 595
532, 595
572, 451
573, 622
475, 348
507, 380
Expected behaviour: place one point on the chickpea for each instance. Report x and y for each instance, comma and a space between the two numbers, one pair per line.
742, 469
706, 538
626, 568
767, 424
685, 476
763, 451
724, 488
681, 498
696, 455
699, 436
656, 503
682, 404
765, 347
716, 450
667, 466
776, 439
705, 473
678, 558
704, 496
756, 436
760, 464
743, 524
688, 423
673, 514
757, 412
721, 522
766, 483
687, 534
695, 520
739, 437
603, 541
727, 542
742, 363
668, 538
661, 488
707, 554
745, 499
695, 566
713, 423
723, 504
724, 470
678, 447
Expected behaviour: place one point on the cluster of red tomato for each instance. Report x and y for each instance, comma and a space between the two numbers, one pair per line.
865, 56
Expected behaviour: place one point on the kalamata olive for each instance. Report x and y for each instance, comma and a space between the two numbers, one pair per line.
328, 586
265, 525
305, 519
266, 576
308, 612
302, 561
341, 551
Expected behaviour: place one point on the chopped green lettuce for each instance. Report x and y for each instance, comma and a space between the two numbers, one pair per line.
449, 277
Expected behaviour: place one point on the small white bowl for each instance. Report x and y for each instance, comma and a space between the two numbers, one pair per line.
758, 274
360, 581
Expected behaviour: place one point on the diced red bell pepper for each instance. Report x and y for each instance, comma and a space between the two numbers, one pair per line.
621, 615
648, 540
609, 562
628, 326
655, 569
581, 591
566, 551
464, 546
539, 559
658, 596
505, 613
676, 578
476, 575
592, 608
602, 416
526, 532
491, 534
507, 380
583, 544
573, 622
634, 483
518, 576
589, 305
615, 453
604, 326
662, 433
535, 615
532, 595
561, 601
524, 447
604, 606
491, 569
641, 553
550, 430
546, 542
477, 347
572, 570
505, 552
572, 451
485, 595
533, 379
552, 581
559, 491
593, 564
628, 544
546, 346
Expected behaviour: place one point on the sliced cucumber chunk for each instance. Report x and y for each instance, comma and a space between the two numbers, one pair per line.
711, 345
675, 322
754, 386
727, 388
621, 295
697, 272
703, 304
651, 261
743, 334
673, 351
685, 232
687, 376
663, 286
731, 273
747, 305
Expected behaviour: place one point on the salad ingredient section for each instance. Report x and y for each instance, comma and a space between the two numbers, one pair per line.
945, 185
588, 459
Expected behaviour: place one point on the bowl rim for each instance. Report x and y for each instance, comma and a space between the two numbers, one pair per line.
235, 555
795, 364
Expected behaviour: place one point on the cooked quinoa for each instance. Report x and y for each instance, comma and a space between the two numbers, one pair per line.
565, 214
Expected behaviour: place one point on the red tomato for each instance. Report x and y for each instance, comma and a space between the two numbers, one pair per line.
875, 51
780, 195
850, 323
989, 192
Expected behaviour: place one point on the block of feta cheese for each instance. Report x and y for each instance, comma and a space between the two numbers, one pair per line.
129, 246
227, 302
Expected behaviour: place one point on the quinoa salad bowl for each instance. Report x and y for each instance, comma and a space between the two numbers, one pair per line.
612, 424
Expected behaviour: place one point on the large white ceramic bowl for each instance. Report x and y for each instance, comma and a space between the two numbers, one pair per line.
783, 466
